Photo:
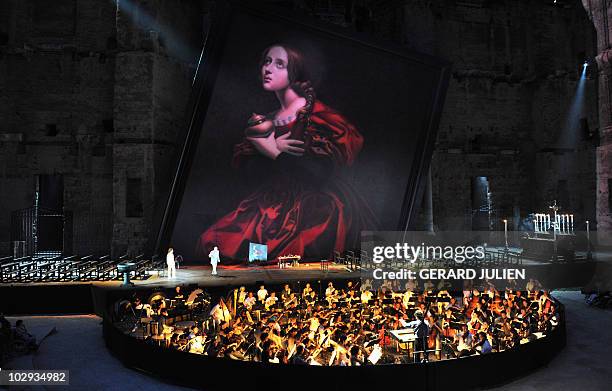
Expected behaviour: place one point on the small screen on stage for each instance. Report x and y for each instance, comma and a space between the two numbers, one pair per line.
258, 252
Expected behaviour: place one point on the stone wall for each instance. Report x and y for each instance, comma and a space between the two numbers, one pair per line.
96, 91
516, 68
88, 90
600, 14
158, 45
55, 96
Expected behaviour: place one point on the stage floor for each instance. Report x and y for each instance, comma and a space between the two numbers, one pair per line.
227, 275
236, 275
576, 273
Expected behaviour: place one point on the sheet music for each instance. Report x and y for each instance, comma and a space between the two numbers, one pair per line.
403, 335
375, 355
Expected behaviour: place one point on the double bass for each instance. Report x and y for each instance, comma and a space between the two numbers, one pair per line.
434, 337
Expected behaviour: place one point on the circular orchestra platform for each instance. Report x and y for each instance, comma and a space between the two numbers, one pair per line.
388, 361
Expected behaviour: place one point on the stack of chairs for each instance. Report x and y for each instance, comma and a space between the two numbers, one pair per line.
339, 258
500, 257
142, 267
68, 268
159, 265
106, 268
349, 259
365, 260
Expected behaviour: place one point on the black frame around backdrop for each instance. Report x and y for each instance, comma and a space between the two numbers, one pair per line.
205, 79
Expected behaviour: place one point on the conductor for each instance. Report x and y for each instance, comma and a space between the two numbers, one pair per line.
421, 330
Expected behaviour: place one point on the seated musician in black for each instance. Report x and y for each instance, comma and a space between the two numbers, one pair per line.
214, 348
178, 293
311, 299
356, 357
266, 351
421, 330
289, 302
352, 299
298, 357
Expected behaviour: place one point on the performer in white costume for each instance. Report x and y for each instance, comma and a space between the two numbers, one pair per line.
171, 264
214, 259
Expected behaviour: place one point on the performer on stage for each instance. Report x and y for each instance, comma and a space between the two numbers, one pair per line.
171, 263
303, 205
214, 259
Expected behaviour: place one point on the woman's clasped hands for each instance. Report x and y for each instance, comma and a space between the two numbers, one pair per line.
272, 146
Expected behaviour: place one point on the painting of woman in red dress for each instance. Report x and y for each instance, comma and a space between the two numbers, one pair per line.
304, 206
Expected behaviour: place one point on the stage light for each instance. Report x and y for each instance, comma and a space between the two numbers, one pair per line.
166, 36
568, 135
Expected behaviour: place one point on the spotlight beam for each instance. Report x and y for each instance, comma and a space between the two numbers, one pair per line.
174, 46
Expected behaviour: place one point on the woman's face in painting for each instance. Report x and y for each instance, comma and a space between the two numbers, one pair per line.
274, 74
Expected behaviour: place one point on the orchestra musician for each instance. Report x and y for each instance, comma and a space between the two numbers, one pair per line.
178, 294
290, 302
330, 293
242, 294
464, 342
286, 293
340, 334
443, 296
271, 301
482, 344
298, 357
311, 298
351, 299
262, 293
356, 356
366, 296
220, 313
250, 301
306, 291
434, 340
146, 308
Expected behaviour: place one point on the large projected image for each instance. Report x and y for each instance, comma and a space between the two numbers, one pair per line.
303, 206
309, 139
